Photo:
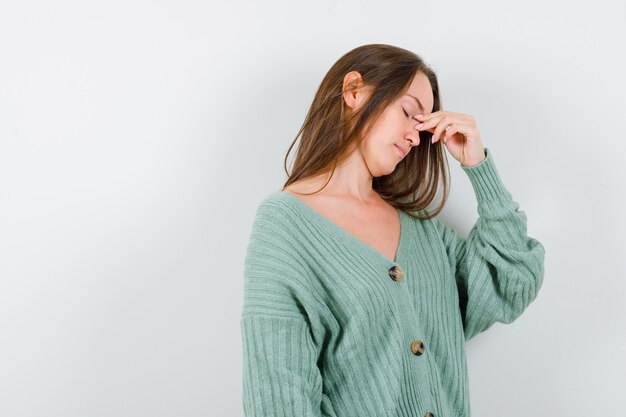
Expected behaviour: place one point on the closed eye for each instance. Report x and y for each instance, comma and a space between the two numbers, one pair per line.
407, 115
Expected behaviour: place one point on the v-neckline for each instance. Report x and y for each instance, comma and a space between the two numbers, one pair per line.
344, 234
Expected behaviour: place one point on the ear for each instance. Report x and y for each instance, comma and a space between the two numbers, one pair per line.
355, 92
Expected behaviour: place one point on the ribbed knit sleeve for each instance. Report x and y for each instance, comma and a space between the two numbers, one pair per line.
498, 268
280, 373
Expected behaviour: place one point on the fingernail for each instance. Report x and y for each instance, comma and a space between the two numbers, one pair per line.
419, 125
420, 116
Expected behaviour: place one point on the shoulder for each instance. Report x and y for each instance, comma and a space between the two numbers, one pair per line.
276, 222
276, 241
275, 206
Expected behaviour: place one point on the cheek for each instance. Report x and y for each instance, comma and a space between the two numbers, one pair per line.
390, 130
376, 144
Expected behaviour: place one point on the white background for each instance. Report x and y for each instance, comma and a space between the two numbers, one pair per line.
138, 137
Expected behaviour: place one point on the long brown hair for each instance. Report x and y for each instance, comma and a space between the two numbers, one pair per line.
327, 134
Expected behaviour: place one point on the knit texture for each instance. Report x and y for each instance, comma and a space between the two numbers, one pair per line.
327, 332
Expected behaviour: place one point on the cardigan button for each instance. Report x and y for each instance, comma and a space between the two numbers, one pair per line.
396, 273
417, 347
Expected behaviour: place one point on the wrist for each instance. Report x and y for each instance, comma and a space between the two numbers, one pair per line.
474, 161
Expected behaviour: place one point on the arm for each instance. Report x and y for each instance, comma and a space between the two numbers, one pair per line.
280, 372
498, 268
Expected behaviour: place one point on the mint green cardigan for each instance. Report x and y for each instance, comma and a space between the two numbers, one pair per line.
331, 327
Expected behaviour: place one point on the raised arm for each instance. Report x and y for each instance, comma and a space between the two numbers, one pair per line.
498, 269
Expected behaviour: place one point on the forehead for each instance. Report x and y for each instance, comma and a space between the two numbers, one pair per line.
421, 89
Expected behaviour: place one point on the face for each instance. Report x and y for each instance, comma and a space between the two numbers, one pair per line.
395, 128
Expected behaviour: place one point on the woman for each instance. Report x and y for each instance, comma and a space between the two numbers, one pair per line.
357, 300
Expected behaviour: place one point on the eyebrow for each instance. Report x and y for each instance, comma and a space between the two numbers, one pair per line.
419, 103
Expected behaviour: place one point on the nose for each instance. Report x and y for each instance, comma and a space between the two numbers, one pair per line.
413, 138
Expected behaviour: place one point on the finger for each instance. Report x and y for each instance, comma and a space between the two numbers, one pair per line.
464, 129
450, 131
428, 124
424, 117
441, 126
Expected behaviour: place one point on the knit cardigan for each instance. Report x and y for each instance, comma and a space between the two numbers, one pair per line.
331, 327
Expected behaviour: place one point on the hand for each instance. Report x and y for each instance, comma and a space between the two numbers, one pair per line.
460, 135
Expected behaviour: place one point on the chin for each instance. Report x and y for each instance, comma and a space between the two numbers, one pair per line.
383, 166
384, 170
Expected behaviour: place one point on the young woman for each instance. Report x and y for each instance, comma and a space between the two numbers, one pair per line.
358, 301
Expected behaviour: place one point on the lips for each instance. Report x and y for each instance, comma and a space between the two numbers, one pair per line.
401, 150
